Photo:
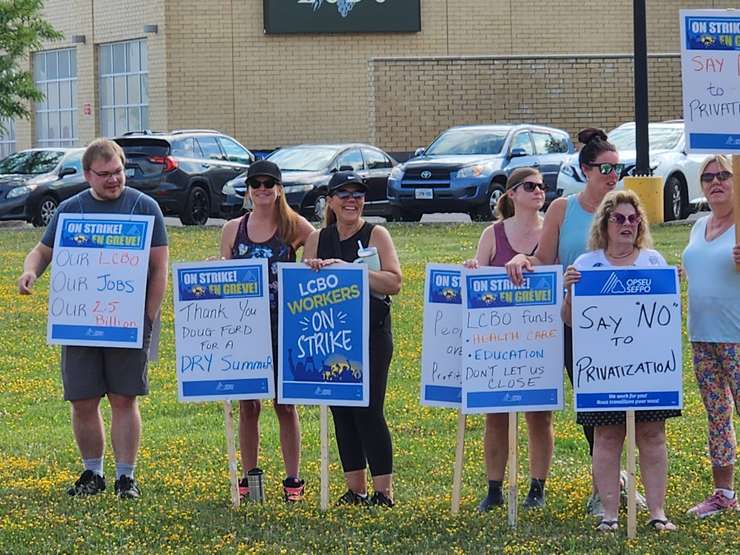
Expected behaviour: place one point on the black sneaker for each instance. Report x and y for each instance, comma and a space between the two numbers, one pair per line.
381, 500
293, 490
352, 498
89, 483
126, 488
536, 496
495, 498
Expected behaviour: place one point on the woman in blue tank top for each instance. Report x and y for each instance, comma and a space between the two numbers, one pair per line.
273, 231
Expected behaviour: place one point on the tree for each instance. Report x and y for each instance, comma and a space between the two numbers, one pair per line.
22, 30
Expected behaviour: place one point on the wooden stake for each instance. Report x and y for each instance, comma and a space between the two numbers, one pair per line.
513, 467
459, 459
736, 186
631, 477
231, 450
324, 417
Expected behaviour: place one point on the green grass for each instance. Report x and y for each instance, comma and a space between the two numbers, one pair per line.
182, 465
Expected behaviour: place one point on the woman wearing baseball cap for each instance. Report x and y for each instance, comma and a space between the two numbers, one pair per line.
274, 231
362, 434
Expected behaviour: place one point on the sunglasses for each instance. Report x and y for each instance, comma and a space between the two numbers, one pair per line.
530, 186
621, 219
344, 195
255, 183
708, 177
606, 168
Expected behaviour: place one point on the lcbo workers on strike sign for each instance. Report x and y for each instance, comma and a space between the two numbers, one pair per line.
627, 340
98, 280
710, 67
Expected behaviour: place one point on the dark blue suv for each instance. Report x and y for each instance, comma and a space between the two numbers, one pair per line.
465, 168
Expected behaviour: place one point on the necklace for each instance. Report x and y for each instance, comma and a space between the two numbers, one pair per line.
355, 229
621, 256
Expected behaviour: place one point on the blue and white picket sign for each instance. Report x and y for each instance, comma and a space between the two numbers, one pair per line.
441, 353
97, 289
512, 341
710, 46
324, 335
627, 340
223, 337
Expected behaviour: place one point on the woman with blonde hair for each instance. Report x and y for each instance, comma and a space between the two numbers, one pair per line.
620, 237
517, 231
274, 231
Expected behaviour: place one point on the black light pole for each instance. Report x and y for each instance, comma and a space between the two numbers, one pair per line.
642, 115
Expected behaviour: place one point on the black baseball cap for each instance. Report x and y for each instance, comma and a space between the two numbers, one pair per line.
341, 179
265, 168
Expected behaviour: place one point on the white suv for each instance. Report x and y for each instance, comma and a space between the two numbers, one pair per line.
668, 160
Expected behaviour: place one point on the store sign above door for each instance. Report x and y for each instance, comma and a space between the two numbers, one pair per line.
342, 16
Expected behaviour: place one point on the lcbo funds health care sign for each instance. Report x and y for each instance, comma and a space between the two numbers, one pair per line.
323, 328
223, 335
710, 67
98, 280
512, 341
627, 340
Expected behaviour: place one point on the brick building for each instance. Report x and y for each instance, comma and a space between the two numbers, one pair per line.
166, 64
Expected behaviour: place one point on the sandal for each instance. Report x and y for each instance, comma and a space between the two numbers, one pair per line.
662, 525
607, 525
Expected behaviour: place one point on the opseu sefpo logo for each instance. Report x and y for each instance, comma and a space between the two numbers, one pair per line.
615, 286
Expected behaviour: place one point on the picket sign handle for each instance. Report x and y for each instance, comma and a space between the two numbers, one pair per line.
324, 418
459, 459
631, 477
513, 466
231, 450
736, 185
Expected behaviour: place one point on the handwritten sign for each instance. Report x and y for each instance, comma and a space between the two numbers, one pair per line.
222, 330
323, 323
512, 341
441, 354
627, 340
98, 280
710, 66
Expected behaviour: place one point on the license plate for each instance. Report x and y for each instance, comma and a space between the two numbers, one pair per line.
426, 194
130, 172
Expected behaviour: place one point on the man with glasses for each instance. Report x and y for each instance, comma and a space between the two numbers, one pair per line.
89, 373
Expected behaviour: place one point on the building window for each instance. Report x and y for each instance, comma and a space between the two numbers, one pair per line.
55, 117
7, 138
124, 87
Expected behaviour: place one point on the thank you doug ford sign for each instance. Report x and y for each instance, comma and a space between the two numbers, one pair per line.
342, 16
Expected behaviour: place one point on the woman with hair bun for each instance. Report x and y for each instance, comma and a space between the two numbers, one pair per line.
517, 231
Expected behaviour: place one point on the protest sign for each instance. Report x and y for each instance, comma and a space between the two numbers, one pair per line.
627, 340
323, 327
441, 354
222, 330
98, 280
710, 68
512, 341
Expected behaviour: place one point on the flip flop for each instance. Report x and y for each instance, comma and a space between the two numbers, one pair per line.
662, 525
607, 525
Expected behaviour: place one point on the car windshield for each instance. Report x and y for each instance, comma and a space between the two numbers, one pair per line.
660, 137
34, 162
468, 142
310, 159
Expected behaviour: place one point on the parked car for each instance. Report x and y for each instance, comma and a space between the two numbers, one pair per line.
306, 170
64, 181
682, 192
21, 173
465, 168
185, 170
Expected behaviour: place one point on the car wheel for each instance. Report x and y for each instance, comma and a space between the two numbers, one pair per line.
45, 211
197, 207
319, 208
675, 203
487, 211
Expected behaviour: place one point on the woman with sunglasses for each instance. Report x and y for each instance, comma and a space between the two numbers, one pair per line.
362, 433
274, 231
517, 231
714, 326
620, 236
565, 236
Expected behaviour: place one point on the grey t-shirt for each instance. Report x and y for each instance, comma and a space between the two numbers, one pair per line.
131, 201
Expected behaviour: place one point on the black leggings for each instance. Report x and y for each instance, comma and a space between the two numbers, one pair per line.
588, 431
362, 434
